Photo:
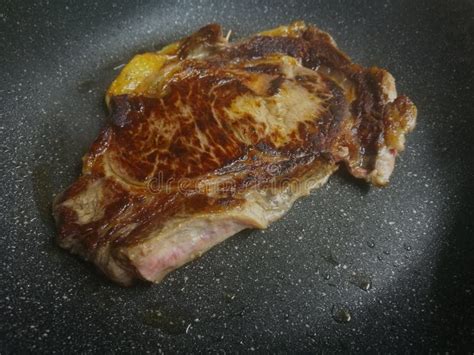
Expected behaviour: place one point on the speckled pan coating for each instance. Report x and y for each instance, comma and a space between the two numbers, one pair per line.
281, 289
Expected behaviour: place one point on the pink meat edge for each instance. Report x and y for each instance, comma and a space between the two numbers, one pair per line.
154, 260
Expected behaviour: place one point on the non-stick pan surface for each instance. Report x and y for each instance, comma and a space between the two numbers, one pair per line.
291, 287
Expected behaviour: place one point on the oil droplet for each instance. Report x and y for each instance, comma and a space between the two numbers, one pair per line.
341, 314
171, 324
240, 312
229, 297
386, 252
86, 86
370, 244
379, 257
331, 259
326, 276
363, 282
407, 247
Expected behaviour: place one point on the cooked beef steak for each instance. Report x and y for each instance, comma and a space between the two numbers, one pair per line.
206, 138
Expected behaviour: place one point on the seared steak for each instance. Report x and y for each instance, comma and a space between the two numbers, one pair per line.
206, 138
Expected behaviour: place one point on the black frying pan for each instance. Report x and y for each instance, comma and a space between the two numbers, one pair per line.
292, 287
